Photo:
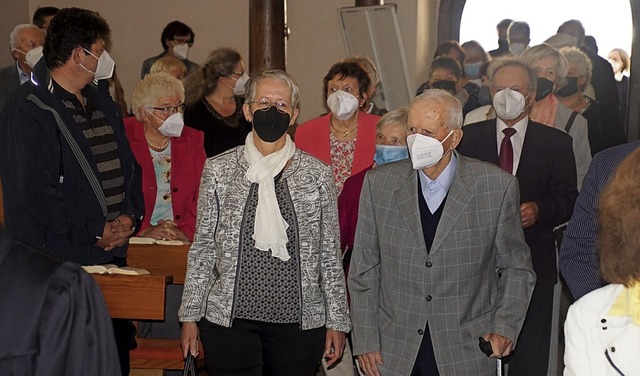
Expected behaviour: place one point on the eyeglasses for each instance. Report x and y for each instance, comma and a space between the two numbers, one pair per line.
179, 40
168, 110
263, 105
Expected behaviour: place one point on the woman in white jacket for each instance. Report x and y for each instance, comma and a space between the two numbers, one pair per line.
602, 330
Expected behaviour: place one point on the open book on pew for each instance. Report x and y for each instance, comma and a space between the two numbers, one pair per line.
113, 269
141, 240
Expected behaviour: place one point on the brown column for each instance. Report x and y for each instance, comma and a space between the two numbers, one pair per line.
267, 48
364, 3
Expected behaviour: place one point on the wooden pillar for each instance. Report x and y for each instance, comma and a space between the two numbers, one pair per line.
364, 3
267, 47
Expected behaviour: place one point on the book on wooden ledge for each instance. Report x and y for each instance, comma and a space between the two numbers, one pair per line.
114, 269
142, 240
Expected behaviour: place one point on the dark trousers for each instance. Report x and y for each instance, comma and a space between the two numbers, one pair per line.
425, 364
531, 356
254, 348
125, 334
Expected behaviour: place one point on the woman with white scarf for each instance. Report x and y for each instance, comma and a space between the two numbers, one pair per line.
265, 290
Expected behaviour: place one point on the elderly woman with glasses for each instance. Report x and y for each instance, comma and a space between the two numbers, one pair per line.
171, 157
214, 95
264, 286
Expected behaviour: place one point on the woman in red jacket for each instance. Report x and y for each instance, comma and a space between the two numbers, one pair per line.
171, 156
345, 138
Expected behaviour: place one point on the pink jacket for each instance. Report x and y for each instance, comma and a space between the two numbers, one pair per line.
187, 162
313, 137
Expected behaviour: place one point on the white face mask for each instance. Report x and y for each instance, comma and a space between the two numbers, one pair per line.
180, 51
425, 151
342, 104
508, 104
33, 56
517, 48
238, 88
105, 66
172, 126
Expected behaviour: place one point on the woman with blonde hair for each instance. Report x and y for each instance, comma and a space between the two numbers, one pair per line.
214, 95
171, 65
552, 68
602, 330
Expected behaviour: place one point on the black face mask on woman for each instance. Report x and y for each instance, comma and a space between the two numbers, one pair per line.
570, 89
543, 88
270, 124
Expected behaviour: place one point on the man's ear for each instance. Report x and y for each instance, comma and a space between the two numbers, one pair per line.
457, 137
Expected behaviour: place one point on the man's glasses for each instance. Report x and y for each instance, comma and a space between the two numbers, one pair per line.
169, 110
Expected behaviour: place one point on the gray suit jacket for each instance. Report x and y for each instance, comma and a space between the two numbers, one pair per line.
9, 82
477, 278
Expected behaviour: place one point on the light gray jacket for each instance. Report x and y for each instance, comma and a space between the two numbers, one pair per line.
214, 256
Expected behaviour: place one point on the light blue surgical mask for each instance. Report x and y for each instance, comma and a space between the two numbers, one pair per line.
472, 70
390, 153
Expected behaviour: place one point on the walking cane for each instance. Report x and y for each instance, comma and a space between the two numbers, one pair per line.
485, 347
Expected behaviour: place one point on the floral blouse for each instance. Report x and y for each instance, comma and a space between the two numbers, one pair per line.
341, 160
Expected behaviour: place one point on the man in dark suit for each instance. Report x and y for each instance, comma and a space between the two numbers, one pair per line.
579, 261
542, 159
22, 39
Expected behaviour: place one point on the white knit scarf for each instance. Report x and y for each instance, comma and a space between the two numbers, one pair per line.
270, 230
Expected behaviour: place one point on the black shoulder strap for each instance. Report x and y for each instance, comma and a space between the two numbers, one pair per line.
567, 127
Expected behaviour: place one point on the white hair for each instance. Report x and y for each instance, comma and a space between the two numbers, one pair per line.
17, 29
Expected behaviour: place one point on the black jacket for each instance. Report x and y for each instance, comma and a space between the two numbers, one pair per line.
48, 199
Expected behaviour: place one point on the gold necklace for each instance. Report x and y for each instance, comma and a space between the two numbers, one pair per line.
157, 147
344, 133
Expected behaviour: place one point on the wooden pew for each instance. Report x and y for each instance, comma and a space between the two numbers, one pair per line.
154, 355
134, 297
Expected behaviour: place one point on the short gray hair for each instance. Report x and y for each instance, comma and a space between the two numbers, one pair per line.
444, 98
14, 34
274, 74
397, 116
574, 55
504, 62
154, 86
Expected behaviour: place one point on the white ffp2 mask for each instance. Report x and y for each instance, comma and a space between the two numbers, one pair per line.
342, 104
425, 151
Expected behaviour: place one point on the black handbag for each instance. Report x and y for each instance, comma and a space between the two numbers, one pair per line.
190, 366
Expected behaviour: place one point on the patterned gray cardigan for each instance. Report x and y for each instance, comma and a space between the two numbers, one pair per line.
209, 289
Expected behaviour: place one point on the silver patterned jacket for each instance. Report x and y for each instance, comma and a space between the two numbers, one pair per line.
210, 283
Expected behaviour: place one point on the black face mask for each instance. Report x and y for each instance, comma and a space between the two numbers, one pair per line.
570, 89
543, 88
270, 124
449, 86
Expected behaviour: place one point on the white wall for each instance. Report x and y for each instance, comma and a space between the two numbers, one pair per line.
314, 45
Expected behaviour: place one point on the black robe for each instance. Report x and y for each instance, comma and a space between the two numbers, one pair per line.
53, 318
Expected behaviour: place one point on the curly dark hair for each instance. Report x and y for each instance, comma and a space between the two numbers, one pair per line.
72, 28
41, 13
347, 69
176, 29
